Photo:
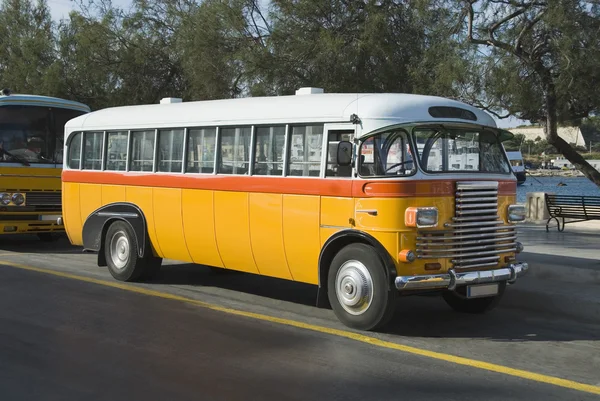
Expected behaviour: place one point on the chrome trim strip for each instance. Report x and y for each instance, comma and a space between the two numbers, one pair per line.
372, 212
483, 247
475, 224
465, 185
476, 260
460, 243
117, 214
491, 229
477, 218
455, 237
476, 193
488, 264
466, 255
477, 212
453, 279
477, 206
463, 199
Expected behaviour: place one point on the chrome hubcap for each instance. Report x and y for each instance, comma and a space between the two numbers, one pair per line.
119, 250
354, 287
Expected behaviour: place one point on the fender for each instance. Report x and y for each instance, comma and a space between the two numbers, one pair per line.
336, 242
97, 222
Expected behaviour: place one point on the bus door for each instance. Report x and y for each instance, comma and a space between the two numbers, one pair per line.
336, 211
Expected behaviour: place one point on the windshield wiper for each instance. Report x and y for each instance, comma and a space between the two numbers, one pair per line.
17, 158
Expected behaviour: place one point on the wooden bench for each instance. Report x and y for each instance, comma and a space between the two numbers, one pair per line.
579, 208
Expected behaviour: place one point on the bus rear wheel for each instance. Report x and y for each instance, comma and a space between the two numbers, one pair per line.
358, 289
121, 253
458, 301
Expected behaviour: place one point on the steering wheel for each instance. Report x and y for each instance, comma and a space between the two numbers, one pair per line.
398, 165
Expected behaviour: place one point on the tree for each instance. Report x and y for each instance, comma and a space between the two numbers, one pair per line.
536, 60
26, 46
343, 45
221, 45
516, 143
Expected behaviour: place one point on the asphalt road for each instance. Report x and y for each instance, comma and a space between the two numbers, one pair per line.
67, 339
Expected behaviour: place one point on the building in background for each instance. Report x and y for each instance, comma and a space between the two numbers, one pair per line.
571, 135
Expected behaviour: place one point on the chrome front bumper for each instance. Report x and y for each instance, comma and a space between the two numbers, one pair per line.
453, 279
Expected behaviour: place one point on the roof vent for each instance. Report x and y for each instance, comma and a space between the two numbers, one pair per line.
5, 92
309, 91
166, 100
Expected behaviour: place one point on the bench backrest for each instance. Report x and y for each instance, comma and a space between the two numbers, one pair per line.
574, 206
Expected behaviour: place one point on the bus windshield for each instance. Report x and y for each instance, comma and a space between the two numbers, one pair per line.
443, 149
33, 134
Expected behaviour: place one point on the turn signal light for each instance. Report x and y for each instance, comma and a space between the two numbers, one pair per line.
407, 256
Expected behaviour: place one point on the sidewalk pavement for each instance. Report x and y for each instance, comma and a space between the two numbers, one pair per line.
564, 273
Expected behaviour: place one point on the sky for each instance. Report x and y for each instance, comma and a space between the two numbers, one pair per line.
60, 9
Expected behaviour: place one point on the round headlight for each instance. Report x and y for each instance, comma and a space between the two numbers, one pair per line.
18, 199
4, 198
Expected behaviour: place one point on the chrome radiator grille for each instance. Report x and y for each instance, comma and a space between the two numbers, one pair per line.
476, 236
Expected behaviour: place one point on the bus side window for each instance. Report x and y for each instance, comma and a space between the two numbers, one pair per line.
201, 150
305, 150
170, 150
142, 150
116, 151
268, 154
74, 152
333, 139
235, 150
92, 150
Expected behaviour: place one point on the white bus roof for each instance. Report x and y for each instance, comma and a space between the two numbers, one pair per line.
374, 110
44, 101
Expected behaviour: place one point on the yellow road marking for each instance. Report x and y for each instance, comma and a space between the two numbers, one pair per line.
523, 374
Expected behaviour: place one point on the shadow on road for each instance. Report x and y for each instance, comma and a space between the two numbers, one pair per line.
32, 244
416, 316
196, 275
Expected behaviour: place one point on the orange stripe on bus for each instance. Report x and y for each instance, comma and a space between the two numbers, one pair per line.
282, 185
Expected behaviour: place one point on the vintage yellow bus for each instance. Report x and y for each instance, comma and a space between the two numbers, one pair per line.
31, 149
366, 196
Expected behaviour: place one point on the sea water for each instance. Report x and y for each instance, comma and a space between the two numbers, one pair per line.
573, 186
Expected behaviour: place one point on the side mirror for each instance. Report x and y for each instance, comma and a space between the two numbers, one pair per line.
344, 153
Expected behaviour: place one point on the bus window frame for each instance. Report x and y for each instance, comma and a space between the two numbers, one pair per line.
457, 125
285, 149
407, 128
332, 127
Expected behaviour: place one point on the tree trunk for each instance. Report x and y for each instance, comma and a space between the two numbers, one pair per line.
551, 131
578, 161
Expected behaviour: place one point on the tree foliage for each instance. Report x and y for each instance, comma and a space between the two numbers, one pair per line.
26, 45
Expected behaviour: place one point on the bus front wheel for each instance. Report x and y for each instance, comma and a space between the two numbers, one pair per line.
358, 290
121, 253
